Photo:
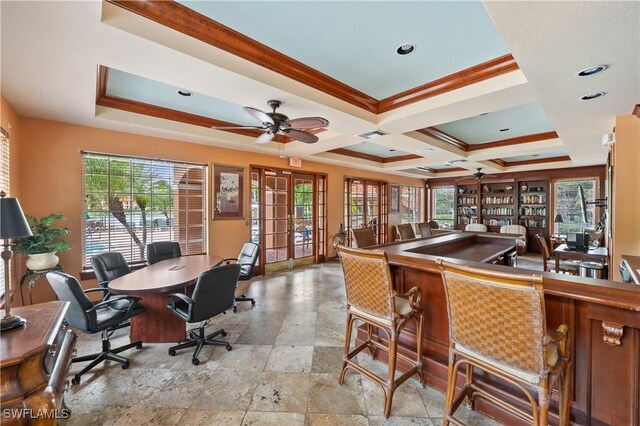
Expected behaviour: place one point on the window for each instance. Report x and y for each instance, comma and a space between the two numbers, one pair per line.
410, 204
567, 203
442, 206
365, 204
132, 202
4, 185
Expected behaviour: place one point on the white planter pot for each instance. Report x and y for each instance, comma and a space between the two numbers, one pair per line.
42, 261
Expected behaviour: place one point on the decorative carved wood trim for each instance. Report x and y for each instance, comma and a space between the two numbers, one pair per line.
444, 137
474, 74
612, 333
372, 157
187, 21
514, 141
400, 158
539, 160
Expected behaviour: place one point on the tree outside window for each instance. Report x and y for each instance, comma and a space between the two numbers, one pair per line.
567, 203
442, 206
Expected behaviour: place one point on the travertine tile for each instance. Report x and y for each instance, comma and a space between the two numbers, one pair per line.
402, 421
327, 359
406, 400
272, 419
335, 420
246, 358
281, 392
149, 415
290, 359
296, 335
327, 396
196, 417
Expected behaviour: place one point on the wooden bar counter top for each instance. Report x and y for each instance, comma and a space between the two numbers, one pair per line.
603, 318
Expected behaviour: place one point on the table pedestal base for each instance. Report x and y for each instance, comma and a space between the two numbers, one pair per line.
157, 324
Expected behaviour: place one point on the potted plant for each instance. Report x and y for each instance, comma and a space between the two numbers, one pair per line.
47, 240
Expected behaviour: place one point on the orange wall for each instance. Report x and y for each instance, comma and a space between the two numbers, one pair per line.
51, 179
626, 192
10, 122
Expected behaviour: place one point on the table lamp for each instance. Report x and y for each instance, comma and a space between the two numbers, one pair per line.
558, 219
13, 224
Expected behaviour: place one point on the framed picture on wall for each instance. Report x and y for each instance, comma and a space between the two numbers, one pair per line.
228, 192
394, 206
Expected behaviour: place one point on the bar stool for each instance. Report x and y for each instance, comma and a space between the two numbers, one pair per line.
497, 323
372, 299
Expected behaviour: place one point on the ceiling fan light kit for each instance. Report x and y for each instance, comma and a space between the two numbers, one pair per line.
274, 123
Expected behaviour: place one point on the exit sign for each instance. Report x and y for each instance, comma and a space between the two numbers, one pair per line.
295, 162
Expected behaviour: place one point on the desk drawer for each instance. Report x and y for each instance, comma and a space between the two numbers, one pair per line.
54, 351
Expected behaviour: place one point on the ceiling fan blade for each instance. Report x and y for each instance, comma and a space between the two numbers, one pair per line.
236, 127
302, 136
263, 117
307, 122
265, 138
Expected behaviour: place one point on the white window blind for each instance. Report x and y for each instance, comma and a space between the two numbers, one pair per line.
131, 202
4, 183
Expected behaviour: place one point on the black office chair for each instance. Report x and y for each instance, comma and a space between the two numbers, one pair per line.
247, 261
108, 266
213, 295
105, 317
162, 250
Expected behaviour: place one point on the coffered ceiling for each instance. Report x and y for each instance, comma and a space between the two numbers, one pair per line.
478, 68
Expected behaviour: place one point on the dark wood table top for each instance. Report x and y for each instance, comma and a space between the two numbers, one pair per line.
42, 321
563, 249
164, 276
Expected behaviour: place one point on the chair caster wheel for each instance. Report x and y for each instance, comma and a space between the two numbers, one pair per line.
235, 309
139, 345
224, 333
195, 361
75, 380
228, 347
125, 365
172, 352
253, 303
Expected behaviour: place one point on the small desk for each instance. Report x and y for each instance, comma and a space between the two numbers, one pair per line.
152, 284
600, 254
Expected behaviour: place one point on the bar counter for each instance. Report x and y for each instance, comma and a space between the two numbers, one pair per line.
603, 319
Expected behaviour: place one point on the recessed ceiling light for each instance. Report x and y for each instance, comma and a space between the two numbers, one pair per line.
506, 129
590, 96
405, 48
392, 150
423, 150
591, 70
535, 155
184, 93
484, 113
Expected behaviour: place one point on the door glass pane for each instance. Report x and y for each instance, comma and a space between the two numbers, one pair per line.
276, 197
303, 217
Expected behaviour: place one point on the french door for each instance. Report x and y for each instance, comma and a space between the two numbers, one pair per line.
288, 217
365, 204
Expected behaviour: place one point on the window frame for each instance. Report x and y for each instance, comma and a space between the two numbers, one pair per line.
432, 203
415, 199
554, 202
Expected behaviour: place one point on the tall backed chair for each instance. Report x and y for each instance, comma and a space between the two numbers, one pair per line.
213, 295
433, 224
372, 299
108, 266
404, 231
476, 227
247, 261
364, 236
521, 245
497, 323
424, 229
162, 250
565, 267
105, 317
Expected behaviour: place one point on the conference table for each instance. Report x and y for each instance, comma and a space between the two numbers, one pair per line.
563, 252
152, 284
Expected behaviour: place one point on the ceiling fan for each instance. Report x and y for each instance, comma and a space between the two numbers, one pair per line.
275, 123
478, 175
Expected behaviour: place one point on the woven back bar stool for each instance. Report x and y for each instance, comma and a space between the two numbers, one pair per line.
372, 299
364, 236
497, 323
404, 231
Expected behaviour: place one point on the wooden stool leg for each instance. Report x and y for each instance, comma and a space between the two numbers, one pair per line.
544, 396
347, 345
390, 386
419, 348
565, 396
451, 389
469, 377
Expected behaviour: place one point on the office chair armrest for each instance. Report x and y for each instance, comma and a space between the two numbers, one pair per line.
131, 299
415, 296
91, 290
230, 259
172, 300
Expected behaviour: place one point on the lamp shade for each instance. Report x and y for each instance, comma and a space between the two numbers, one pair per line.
559, 218
13, 224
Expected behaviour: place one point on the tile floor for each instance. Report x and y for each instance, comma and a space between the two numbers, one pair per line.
283, 369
